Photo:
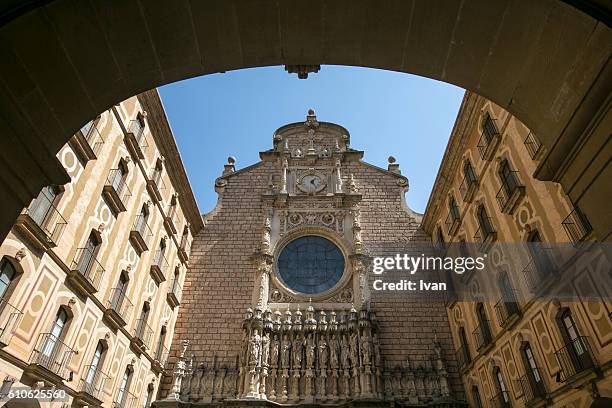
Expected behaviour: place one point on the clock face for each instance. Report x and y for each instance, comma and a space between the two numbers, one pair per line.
311, 183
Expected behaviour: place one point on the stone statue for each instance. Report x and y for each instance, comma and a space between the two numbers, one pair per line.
366, 346
265, 349
298, 344
338, 177
377, 356
285, 347
285, 166
354, 350
333, 351
255, 347
311, 348
322, 353
344, 352
274, 350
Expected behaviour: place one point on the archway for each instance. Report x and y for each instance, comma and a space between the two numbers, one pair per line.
547, 63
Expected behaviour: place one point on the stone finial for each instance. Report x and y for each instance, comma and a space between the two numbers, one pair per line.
20, 254
393, 166
230, 166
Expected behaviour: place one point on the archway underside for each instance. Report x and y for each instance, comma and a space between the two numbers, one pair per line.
546, 62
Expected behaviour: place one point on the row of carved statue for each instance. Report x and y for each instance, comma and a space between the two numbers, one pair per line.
297, 361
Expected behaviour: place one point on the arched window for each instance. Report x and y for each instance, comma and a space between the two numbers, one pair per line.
141, 325
56, 334
88, 254
532, 372
483, 331
124, 387
453, 209
93, 378
149, 397
160, 254
576, 354
489, 129
476, 397
142, 219
468, 172
119, 292
502, 398
440, 244
159, 352
157, 171
464, 349
42, 208
8, 273
507, 306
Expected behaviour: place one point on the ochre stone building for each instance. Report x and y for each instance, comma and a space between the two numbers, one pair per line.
542, 336
91, 273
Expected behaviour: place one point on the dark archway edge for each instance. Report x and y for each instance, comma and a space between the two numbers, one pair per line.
63, 62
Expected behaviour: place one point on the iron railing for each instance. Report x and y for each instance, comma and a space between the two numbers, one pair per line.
44, 213
91, 134
143, 332
489, 132
86, 264
532, 385
137, 129
468, 183
452, 220
124, 399
539, 267
53, 354
176, 289
506, 308
501, 400
161, 354
463, 356
576, 226
161, 262
533, 145
10, 317
157, 178
142, 227
93, 381
575, 357
120, 304
482, 335
510, 185
116, 180
185, 245
485, 232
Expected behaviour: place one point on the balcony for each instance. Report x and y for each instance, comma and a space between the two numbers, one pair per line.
184, 249
463, 356
174, 293
171, 220
533, 146
156, 185
489, 140
501, 400
532, 386
118, 309
510, 194
469, 185
577, 226
116, 192
507, 310
482, 336
160, 357
49, 361
141, 235
86, 272
452, 222
87, 142
41, 223
135, 139
576, 358
159, 267
485, 235
124, 399
10, 317
91, 386
540, 269
143, 334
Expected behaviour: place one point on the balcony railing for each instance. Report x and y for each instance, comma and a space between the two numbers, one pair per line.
124, 399
463, 356
135, 138
172, 219
532, 386
468, 185
539, 268
184, 249
510, 192
46, 216
506, 309
575, 357
116, 190
120, 306
143, 332
489, 139
93, 381
174, 293
161, 355
87, 142
533, 145
89, 270
141, 234
156, 184
52, 354
452, 221
482, 335
10, 317
159, 267
501, 400
486, 234
577, 226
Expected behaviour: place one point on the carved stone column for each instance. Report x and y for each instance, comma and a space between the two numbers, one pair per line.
179, 373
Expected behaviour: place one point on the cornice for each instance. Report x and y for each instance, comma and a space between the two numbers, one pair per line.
164, 139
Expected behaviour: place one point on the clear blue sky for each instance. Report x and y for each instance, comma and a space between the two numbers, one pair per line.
386, 113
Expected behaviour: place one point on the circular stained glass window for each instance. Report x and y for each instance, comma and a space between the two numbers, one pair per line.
311, 264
